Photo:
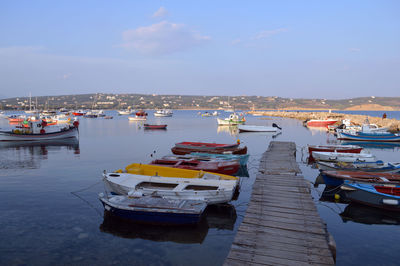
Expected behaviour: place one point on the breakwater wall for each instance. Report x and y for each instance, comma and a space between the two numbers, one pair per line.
392, 124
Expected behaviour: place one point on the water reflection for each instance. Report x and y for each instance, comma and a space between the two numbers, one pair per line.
231, 130
27, 155
373, 145
222, 217
368, 215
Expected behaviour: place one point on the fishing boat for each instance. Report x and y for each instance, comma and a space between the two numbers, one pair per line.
79, 113
336, 178
154, 210
141, 113
233, 119
380, 196
214, 166
16, 118
254, 128
108, 117
90, 114
337, 148
342, 157
148, 126
243, 158
172, 183
377, 166
137, 118
163, 113
38, 131
320, 122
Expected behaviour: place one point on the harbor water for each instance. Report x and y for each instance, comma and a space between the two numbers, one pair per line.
51, 215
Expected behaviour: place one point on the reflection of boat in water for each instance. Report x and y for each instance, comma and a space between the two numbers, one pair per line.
373, 145
368, 215
231, 130
222, 217
71, 143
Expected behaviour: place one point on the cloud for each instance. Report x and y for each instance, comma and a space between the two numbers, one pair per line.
268, 33
236, 41
160, 13
355, 50
162, 38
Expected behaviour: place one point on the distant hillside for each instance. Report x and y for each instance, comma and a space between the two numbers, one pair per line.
154, 101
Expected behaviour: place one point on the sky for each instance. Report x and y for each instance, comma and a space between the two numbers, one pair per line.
295, 49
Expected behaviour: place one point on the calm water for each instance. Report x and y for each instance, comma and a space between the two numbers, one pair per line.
50, 213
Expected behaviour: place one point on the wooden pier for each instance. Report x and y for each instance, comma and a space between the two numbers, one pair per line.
281, 225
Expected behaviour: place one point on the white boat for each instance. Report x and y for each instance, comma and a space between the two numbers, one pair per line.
208, 187
254, 128
125, 112
137, 118
38, 131
343, 157
163, 113
233, 119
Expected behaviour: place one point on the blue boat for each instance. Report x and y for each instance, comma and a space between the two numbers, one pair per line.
373, 144
380, 196
377, 166
370, 136
154, 210
242, 158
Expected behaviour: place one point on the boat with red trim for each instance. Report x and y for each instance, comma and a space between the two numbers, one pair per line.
336, 178
189, 147
337, 148
148, 126
214, 166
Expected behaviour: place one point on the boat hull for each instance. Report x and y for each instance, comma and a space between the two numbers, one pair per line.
154, 214
235, 150
250, 128
320, 123
146, 126
369, 137
337, 148
70, 133
243, 159
342, 157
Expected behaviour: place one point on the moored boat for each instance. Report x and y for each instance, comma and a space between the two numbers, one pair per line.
188, 147
154, 210
372, 136
172, 183
243, 158
163, 113
137, 118
214, 166
38, 131
378, 166
148, 126
337, 148
254, 128
342, 157
380, 196
233, 119
336, 178
320, 122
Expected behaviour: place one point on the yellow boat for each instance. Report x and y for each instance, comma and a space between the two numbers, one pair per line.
153, 170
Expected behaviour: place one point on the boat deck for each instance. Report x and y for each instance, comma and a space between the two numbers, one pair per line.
281, 225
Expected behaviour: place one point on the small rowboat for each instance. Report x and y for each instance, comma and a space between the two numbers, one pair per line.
253, 128
172, 183
372, 136
243, 158
214, 166
320, 122
205, 145
377, 166
337, 148
336, 178
380, 196
154, 210
343, 157
148, 126
224, 150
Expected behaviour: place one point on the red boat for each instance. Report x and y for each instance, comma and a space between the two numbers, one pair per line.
15, 119
147, 126
337, 148
320, 123
205, 145
182, 148
141, 113
215, 166
78, 113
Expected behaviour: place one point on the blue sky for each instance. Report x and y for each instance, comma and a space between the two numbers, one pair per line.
311, 49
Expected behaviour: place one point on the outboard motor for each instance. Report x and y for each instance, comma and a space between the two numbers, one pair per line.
275, 125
